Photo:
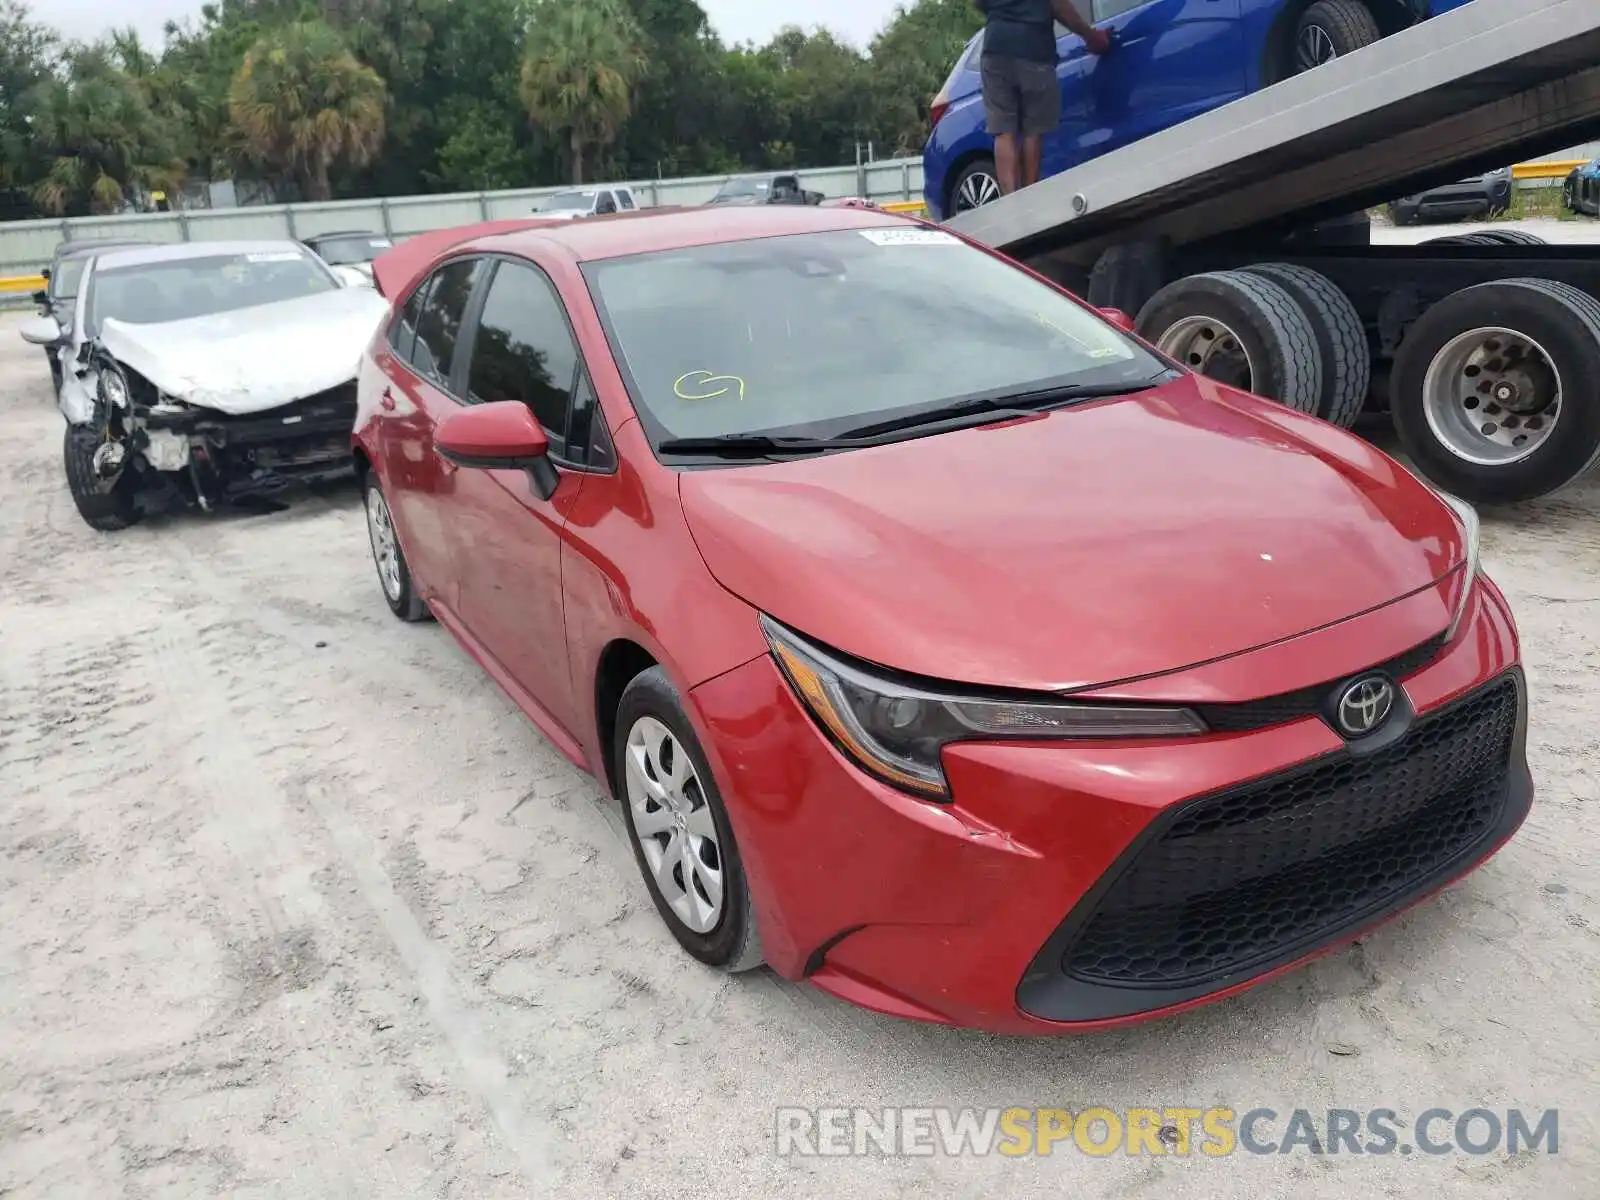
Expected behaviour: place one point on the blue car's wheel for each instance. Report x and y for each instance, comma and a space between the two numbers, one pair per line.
975, 186
1330, 29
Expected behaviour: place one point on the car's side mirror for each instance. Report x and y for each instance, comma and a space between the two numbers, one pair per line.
1120, 319
40, 331
498, 437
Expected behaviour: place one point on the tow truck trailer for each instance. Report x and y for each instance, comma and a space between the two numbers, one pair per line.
1240, 239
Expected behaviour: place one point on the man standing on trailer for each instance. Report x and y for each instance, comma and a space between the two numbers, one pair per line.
1021, 96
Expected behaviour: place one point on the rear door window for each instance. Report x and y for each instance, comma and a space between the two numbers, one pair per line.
439, 320
625, 199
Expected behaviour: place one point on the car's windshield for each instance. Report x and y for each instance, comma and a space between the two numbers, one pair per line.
567, 202
177, 289
816, 334
348, 251
743, 189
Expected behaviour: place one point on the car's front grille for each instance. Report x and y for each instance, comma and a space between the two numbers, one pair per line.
1242, 878
1308, 702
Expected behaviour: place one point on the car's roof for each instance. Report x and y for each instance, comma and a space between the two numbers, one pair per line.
79, 246
344, 233
174, 251
652, 229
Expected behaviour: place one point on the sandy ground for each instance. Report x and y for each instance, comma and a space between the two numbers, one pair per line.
294, 904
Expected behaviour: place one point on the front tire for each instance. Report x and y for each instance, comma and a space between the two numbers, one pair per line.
1330, 29
1494, 396
394, 576
106, 506
682, 838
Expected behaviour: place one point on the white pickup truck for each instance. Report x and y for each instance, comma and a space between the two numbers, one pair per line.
585, 202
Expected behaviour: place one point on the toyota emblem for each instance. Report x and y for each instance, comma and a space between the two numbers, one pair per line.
1364, 706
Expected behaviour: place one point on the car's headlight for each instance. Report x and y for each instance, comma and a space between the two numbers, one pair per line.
114, 388
896, 731
1468, 517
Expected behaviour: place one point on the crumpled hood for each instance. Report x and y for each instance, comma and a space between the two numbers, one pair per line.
255, 358
1081, 547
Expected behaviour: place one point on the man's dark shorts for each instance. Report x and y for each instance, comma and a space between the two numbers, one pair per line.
1020, 96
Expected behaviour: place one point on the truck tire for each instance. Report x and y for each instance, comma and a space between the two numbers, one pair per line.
975, 185
1494, 390
102, 508
1239, 329
1341, 338
1331, 29
1505, 237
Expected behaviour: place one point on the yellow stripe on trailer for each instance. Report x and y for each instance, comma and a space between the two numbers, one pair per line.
22, 283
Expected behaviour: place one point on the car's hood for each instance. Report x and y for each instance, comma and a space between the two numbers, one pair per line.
254, 358
1090, 545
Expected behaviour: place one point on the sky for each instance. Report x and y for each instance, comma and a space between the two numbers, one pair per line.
735, 20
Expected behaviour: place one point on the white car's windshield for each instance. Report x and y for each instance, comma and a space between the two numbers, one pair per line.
568, 202
175, 290
349, 251
816, 334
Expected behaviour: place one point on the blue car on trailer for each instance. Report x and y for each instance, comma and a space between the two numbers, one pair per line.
1174, 59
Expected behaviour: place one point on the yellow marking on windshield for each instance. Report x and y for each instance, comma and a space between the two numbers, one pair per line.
701, 381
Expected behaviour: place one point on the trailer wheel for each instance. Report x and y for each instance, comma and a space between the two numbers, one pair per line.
1330, 29
1494, 395
1341, 338
1240, 329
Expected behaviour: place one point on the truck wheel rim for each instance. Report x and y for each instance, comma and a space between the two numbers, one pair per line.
976, 190
1314, 48
1208, 347
673, 824
1492, 396
380, 531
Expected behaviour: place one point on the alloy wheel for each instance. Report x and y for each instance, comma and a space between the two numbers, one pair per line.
1313, 48
976, 190
1492, 396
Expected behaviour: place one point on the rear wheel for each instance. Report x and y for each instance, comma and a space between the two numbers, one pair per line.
1341, 338
976, 184
103, 489
394, 576
1569, 193
1494, 390
1240, 329
1330, 29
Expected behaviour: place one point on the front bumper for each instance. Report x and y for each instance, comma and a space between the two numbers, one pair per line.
1073, 887
1487, 195
307, 441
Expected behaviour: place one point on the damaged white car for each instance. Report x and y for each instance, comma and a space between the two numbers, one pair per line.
205, 373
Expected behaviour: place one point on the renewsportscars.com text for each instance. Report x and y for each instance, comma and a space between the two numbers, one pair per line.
1208, 1132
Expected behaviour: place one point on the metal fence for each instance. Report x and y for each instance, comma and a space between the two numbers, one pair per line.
25, 246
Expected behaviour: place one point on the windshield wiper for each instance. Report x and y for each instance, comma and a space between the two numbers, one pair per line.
754, 445
1009, 404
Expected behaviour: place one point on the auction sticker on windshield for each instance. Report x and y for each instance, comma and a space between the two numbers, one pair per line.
910, 237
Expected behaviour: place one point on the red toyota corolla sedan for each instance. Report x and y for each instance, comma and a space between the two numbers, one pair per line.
942, 644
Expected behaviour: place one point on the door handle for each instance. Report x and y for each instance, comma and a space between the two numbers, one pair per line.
387, 399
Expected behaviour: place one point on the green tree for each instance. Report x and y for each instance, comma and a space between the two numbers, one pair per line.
102, 142
27, 57
303, 104
911, 59
580, 63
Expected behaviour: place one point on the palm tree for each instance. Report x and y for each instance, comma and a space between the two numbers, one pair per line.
301, 102
579, 65
100, 137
